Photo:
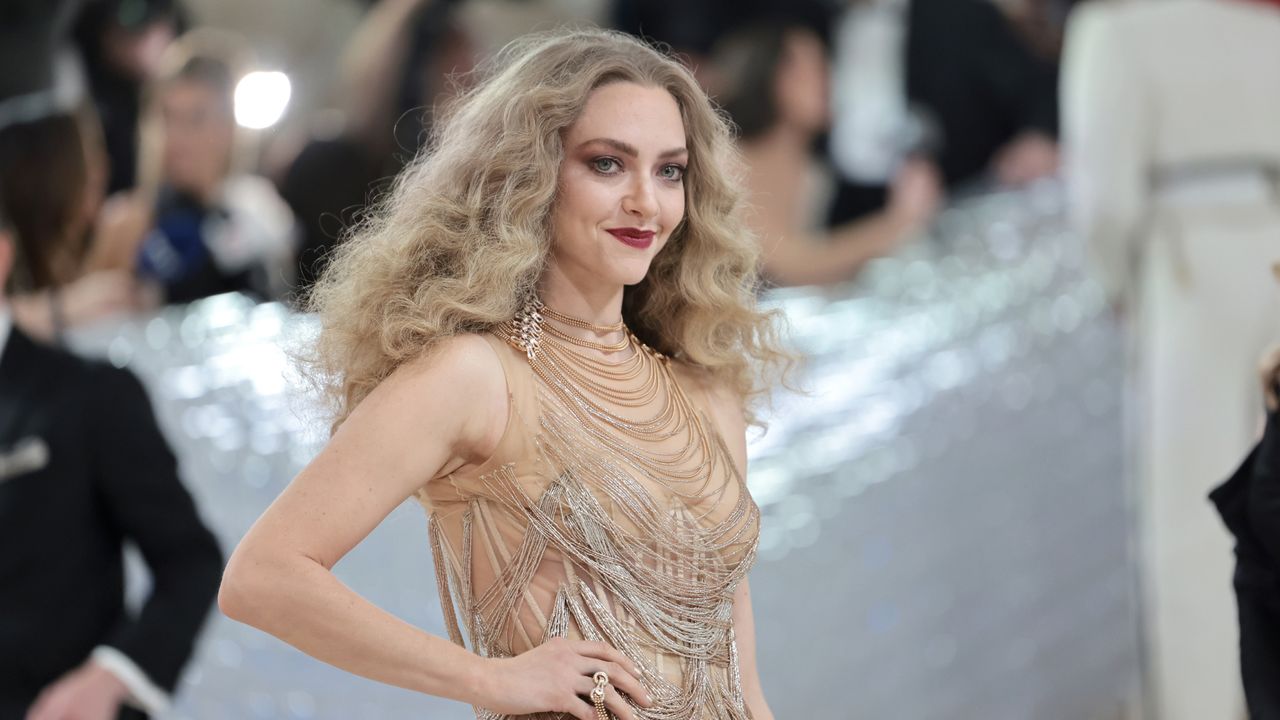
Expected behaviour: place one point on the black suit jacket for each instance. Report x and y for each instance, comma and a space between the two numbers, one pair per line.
1250, 506
109, 477
979, 83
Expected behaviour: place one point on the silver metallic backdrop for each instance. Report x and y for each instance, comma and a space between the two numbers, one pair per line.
946, 532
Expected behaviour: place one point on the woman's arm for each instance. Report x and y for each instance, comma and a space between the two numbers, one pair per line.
1106, 131
428, 419
122, 226
794, 256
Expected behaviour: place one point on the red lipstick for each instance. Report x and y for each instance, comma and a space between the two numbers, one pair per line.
635, 237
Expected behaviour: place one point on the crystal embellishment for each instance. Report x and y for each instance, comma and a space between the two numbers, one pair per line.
528, 324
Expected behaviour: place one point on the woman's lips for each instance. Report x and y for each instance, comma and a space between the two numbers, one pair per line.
635, 237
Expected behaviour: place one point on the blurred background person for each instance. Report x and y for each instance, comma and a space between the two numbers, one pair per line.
212, 225
397, 71
52, 176
771, 77
1249, 503
39, 75
121, 43
949, 78
83, 469
1172, 119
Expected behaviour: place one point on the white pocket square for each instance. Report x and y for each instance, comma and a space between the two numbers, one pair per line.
27, 455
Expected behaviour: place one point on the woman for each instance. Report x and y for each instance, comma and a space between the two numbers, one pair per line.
547, 338
777, 132
210, 226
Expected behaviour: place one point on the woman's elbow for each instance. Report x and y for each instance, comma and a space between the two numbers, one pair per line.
244, 594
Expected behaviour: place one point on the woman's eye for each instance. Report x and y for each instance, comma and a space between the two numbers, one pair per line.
672, 172
604, 165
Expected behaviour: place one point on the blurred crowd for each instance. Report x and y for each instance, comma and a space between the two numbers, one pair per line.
132, 176
131, 182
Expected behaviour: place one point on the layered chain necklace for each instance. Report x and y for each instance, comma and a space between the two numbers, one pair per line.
610, 398
616, 425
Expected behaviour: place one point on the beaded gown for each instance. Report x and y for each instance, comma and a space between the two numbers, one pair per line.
610, 511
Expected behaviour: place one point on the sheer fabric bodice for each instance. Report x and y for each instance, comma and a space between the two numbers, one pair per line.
603, 518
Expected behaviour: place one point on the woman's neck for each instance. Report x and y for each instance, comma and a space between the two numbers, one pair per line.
597, 305
783, 143
778, 169
602, 307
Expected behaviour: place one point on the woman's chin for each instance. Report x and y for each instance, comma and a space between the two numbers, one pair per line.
634, 278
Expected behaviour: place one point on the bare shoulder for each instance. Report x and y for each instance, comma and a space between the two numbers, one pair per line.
722, 403
457, 390
462, 357
719, 392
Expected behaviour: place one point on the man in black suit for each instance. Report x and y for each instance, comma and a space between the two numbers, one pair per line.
1250, 506
947, 78
83, 469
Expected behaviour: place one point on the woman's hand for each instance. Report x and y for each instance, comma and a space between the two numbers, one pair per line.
122, 226
915, 193
1269, 373
556, 677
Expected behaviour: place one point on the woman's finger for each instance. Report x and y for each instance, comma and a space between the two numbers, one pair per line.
617, 705
602, 651
580, 708
628, 683
618, 675
612, 699
623, 673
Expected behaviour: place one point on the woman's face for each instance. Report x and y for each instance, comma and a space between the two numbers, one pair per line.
802, 80
198, 135
621, 186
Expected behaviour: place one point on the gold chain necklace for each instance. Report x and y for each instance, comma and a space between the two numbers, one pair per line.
583, 324
572, 340
587, 385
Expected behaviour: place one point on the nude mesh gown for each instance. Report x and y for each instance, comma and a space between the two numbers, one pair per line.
568, 531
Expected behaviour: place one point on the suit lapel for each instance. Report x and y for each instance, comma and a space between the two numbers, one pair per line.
20, 379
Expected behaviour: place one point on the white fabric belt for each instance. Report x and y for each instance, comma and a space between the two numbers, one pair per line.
1217, 188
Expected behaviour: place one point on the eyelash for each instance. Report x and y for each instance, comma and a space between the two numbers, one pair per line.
596, 162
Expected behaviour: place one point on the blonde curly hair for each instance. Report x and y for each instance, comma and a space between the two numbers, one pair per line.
464, 234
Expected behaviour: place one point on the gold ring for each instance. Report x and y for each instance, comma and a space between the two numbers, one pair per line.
601, 679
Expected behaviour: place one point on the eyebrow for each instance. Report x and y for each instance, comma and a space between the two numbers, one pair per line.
628, 149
